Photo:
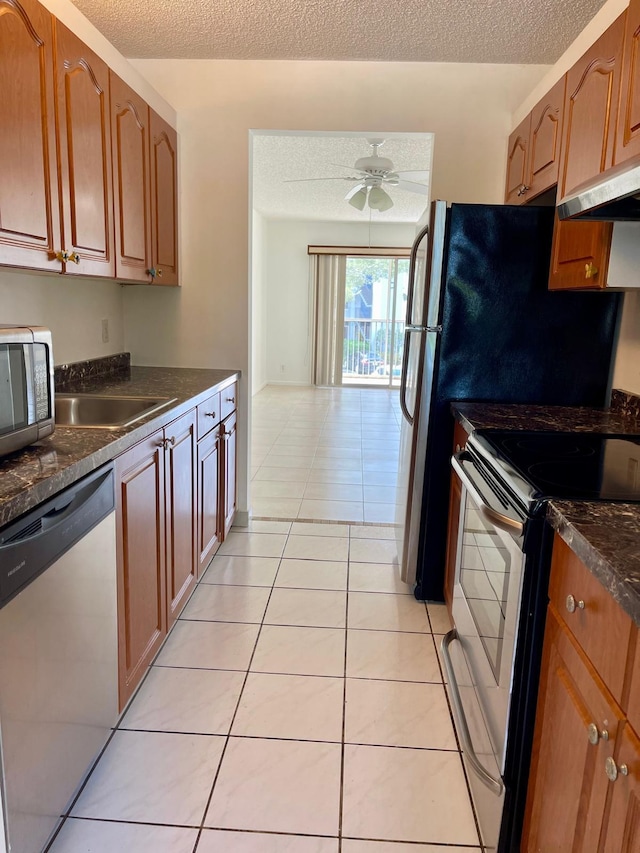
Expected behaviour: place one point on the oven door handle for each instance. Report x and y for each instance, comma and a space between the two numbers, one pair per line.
511, 525
496, 786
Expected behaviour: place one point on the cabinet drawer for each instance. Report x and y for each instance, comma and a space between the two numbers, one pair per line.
209, 415
597, 622
228, 399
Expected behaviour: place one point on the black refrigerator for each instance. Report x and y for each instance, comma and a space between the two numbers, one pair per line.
481, 325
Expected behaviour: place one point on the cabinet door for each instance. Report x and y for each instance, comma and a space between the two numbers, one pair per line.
621, 833
130, 149
517, 154
209, 480
29, 213
142, 621
580, 255
181, 509
84, 132
628, 129
544, 142
228, 431
590, 110
164, 201
568, 788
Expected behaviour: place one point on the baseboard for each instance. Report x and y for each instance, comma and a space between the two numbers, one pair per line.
258, 390
287, 382
241, 518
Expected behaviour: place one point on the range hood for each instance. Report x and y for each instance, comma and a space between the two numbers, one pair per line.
613, 196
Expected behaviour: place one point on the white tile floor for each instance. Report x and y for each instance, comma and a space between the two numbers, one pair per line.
298, 706
320, 453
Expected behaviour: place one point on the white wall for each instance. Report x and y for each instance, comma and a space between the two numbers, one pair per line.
259, 298
72, 308
289, 312
627, 365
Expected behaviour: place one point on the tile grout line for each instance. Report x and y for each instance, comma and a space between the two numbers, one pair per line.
228, 736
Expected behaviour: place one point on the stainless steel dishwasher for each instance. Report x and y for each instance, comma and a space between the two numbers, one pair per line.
58, 654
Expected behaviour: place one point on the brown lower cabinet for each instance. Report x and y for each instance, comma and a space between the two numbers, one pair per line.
175, 503
584, 786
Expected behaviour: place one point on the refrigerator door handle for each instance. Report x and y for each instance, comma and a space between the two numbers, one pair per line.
414, 328
412, 272
403, 377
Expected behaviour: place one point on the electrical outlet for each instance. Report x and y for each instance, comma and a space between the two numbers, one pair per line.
105, 331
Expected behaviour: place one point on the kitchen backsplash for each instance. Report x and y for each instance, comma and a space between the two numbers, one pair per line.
78, 371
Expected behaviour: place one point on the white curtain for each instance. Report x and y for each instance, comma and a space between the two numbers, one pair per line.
328, 274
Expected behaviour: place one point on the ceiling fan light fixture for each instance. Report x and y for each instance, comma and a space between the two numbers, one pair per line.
359, 199
379, 199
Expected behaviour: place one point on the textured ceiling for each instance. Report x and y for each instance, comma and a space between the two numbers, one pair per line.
511, 31
281, 158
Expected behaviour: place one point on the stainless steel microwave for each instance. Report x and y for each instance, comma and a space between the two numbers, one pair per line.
26, 386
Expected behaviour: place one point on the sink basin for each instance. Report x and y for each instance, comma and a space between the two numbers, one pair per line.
105, 412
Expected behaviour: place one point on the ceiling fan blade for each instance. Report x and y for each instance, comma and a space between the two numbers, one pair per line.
412, 187
304, 180
354, 190
419, 175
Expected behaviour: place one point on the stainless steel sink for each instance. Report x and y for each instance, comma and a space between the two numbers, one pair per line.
95, 411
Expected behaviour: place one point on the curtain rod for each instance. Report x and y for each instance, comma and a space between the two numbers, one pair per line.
377, 251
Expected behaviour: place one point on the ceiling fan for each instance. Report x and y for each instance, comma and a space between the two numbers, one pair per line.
372, 173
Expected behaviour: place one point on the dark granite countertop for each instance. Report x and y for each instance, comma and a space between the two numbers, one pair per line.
37, 472
560, 418
606, 536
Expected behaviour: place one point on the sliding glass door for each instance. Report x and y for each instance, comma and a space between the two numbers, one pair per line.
374, 312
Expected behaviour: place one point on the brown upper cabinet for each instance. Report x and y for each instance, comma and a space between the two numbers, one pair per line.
517, 161
164, 201
84, 136
29, 210
628, 127
88, 173
590, 110
131, 182
534, 149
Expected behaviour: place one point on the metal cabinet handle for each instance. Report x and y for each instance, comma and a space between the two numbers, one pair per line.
209, 414
74, 257
152, 271
590, 271
166, 442
62, 256
523, 189
595, 734
231, 399
571, 604
494, 785
172, 440
612, 769
159, 273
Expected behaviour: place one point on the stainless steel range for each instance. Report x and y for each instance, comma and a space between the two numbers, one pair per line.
492, 655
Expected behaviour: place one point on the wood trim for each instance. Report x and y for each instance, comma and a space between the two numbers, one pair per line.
360, 251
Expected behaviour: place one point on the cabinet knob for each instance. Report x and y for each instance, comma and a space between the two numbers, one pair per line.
62, 256
595, 734
590, 271
172, 440
74, 257
613, 770
523, 189
231, 399
159, 273
209, 414
152, 271
571, 604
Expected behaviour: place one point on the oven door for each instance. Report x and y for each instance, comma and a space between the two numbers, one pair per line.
480, 651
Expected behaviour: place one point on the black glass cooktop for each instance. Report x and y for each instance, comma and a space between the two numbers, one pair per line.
587, 466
